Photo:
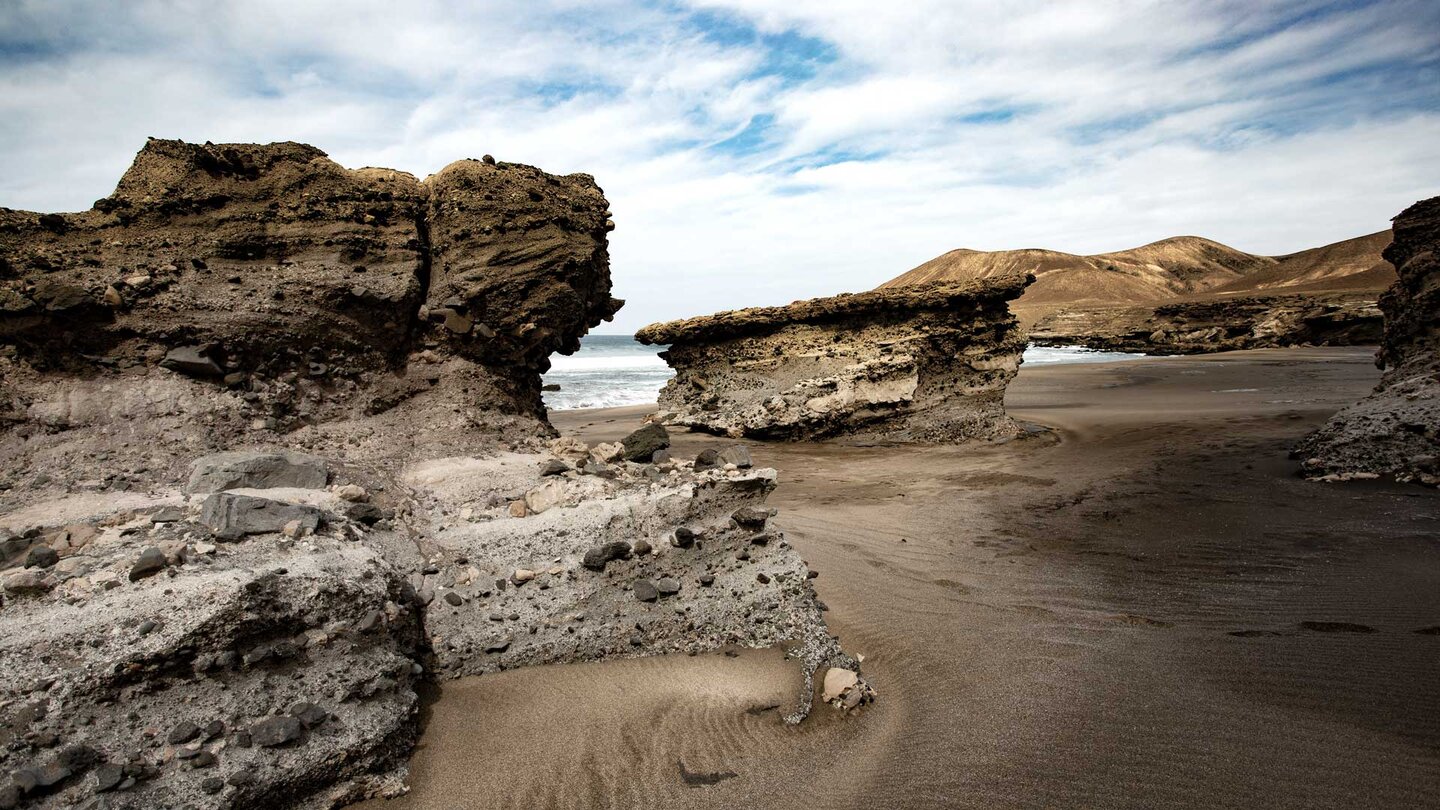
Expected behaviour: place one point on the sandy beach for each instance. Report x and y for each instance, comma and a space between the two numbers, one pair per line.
1144, 608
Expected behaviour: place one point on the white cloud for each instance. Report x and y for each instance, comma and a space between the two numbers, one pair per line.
915, 128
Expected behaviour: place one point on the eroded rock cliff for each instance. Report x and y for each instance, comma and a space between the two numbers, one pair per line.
1218, 324
272, 454
913, 363
1396, 430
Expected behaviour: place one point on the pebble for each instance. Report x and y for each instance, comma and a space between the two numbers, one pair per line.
183, 733
763, 578
667, 586
706, 580
274, 731
645, 590
683, 538
41, 557
454, 599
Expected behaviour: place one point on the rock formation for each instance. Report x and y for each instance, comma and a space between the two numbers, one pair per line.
272, 454
913, 363
1396, 430
1218, 324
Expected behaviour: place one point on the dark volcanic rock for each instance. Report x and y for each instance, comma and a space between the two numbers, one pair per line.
152, 561
276, 731
1396, 430
642, 444
596, 558
645, 590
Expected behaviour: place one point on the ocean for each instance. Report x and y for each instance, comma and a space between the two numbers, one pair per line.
614, 370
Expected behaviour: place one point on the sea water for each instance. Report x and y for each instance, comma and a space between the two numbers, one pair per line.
614, 370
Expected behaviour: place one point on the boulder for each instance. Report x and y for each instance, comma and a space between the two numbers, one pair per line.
228, 512
642, 444
257, 469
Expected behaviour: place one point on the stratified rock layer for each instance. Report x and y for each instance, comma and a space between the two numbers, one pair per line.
272, 453
1396, 430
912, 363
1218, 324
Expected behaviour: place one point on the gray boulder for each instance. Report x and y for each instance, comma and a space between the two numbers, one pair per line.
256, 469
227, 512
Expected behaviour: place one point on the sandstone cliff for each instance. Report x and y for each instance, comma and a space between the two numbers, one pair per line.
272, 455
914, 363
1396, 430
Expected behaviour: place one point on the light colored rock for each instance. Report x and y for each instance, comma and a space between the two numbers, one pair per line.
607, 452
256, 469
353, 493
837, 680
545, 496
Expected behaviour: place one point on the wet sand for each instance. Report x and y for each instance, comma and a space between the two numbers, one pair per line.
1147, 609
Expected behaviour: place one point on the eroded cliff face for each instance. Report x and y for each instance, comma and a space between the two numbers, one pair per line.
914, 363
1396, 430
1218, 324
272, 455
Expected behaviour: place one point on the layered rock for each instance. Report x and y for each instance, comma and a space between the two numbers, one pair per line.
1217, 324
277, 272
1396, 430
270, 443
911, 363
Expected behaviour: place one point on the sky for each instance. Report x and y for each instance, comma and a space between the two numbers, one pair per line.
754, 152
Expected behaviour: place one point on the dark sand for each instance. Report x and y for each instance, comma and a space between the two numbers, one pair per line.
1152, 611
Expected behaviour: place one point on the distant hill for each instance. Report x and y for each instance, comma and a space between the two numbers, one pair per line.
1179, 268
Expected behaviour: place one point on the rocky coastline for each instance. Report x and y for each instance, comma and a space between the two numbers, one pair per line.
1395, 431
275, 457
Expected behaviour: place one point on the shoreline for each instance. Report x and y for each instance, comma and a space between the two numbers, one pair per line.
1153, 611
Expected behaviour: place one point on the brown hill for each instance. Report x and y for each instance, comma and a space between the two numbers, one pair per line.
1354, 264
1182, 267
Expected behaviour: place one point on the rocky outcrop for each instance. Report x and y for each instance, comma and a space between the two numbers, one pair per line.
272, 455
1217, 324
275, 271
912, 363
1396, 430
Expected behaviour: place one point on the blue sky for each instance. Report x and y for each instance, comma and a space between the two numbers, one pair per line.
759, 152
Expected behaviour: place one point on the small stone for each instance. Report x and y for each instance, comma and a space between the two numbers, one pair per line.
642, 548
597, 557
169, 514
454, 599
295, 528
708, 459
183, 733
554, 467
517, 509
41, 557
202, 759
276, 731
667, 586
752, 517
241, 778
706, 580
683, 538
837, 681
762, 578
499, 645
309, 714
522, 575
152, 561
353, 493
212, 784
108, 777
737, 454
645, 590
191, 360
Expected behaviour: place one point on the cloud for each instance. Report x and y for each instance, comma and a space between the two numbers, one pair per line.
757, 152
